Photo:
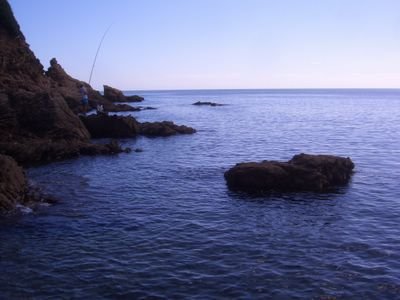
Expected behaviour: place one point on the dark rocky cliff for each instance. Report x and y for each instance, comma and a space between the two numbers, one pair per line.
28, 104
36, 123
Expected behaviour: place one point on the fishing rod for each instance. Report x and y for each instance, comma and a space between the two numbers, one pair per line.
97, 52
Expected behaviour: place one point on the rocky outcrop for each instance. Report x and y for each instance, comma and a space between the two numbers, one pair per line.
165, 128
105, 126
19, 68
207, 103
13, 184
15, 190
14, 187
115, 95
303, 172
69, 89
37, 119
36, 123
29, 106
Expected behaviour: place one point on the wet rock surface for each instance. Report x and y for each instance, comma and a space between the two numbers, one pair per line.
303, 172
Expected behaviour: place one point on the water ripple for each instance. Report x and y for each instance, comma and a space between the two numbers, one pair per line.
161, 224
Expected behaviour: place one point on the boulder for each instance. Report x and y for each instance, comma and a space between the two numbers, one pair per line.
303, 172
115, 95
165, 128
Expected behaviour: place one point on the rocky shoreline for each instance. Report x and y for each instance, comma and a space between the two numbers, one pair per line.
39, 120
40, 123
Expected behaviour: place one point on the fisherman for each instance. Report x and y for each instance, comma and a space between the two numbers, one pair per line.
85, 99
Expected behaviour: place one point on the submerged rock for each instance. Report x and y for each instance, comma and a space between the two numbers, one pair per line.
303, 172
208, 103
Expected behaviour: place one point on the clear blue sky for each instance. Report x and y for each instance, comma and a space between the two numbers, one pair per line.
194, 44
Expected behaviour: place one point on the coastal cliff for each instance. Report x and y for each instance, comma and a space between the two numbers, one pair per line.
29, 106
36, 123
38, 114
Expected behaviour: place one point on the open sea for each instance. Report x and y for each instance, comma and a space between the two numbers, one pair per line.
161, 224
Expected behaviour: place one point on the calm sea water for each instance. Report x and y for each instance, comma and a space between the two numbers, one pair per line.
161, 224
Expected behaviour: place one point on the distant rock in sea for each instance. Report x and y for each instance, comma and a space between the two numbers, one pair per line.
208, 103
303, 172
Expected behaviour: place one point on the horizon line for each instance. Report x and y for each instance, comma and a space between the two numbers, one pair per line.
255, 89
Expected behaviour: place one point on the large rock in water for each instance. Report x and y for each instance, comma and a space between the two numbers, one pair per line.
303, 172
116, 95
104, 126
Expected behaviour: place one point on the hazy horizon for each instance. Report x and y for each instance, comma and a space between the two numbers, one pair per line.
192, 45
263, 89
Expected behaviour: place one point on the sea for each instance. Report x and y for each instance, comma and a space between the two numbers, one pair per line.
162, 224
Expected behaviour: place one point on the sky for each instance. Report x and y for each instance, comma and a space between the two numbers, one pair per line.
218, 44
